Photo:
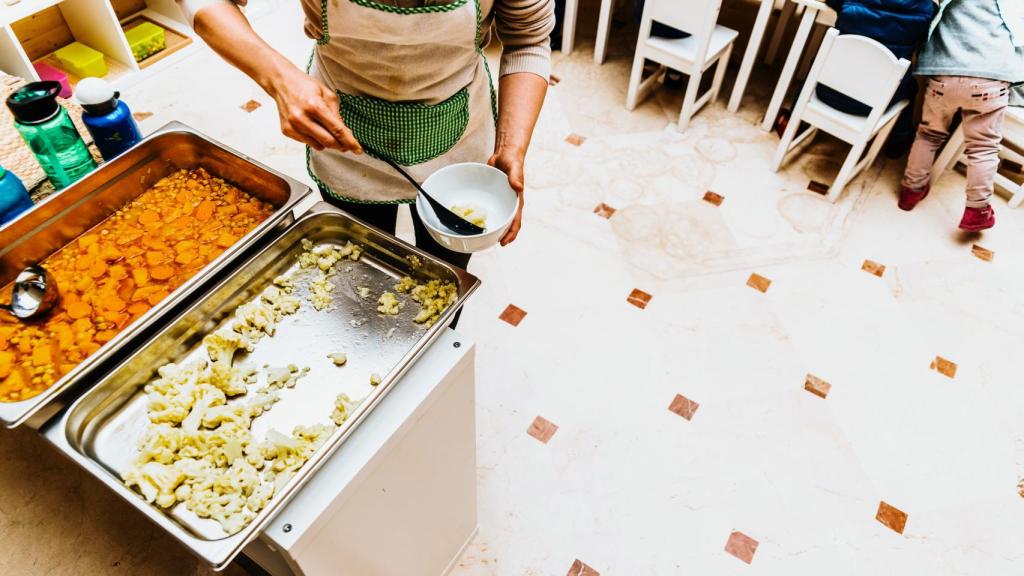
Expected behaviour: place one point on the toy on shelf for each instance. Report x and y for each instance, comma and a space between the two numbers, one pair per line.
145, 40
81, 60
47, 72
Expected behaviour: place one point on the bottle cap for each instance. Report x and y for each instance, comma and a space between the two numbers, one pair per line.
96, 95
34, 102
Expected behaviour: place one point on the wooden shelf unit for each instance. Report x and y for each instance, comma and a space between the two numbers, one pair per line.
31, 30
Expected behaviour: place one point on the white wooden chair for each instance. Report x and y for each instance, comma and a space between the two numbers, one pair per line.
1012, 150
708, 43
864, 70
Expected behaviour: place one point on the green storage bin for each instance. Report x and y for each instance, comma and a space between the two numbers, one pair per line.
81, 60
146, 39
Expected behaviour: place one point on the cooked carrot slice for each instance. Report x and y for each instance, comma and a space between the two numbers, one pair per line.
205, 210
118, 273
81, 325
98, 268
6, 363
83, 283
149, 219
162, 272
156, 297
79, 310
114, 304
41, 356
140, 275
155, 258
226, 239
88, 240
138, 309
83, 262
186, 257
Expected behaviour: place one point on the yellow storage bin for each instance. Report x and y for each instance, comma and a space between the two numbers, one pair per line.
145, 40
81, 60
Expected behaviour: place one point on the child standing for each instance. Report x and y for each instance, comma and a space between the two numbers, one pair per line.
974, 53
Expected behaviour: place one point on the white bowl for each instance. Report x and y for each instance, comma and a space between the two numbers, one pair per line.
477, 186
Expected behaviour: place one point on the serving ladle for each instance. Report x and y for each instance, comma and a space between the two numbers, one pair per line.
34, 294
450, 219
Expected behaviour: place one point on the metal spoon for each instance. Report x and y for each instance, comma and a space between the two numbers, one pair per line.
450, 219
33, 294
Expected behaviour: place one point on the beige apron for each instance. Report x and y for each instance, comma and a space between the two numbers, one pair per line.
414, 85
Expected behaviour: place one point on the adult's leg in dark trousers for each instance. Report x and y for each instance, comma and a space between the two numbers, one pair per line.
427, 243
383, 216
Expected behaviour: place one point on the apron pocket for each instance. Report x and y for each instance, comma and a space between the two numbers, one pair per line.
409, 134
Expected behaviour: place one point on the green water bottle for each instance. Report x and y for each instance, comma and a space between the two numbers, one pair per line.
50, 134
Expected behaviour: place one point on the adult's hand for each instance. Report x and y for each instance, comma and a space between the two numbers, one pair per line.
309, 111
520, 97
511, 163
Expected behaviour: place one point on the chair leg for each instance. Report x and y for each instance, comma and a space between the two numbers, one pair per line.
879, 141
604, 25
635, 77
811, 49
780, 30
847, 172
786, 143
716, 84
750, 55
690, 99
950, 155
569, 26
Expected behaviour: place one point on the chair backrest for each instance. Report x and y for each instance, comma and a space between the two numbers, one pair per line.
697, 17
858, 67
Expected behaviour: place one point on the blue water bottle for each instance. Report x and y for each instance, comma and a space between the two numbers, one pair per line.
14, 198
105, 117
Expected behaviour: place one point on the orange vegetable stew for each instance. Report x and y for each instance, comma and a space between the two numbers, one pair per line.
115, 272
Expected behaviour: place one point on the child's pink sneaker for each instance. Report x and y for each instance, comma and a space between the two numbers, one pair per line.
978, 219
909, 198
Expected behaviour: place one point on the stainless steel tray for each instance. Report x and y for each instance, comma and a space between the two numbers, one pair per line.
65, 216
100, 431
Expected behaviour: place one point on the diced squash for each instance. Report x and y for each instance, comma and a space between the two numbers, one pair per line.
162, 272
79, 310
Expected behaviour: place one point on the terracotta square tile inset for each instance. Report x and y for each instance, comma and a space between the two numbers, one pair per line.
983, 253
580, 568
945, 367
604, 211
251, 105
892, 517
872, 267
542, 429
741, 546
639, 298
575, 139
513, 315
816, 386
758, 282
683, 406
140, 116
713, 198
818, 187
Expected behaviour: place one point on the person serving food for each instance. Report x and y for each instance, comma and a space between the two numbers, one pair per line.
404, 78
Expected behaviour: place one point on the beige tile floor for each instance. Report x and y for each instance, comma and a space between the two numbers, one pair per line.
624, 485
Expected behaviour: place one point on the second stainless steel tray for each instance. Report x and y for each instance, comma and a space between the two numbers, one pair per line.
101, 430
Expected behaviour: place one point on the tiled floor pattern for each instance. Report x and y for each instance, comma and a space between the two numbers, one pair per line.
841, 381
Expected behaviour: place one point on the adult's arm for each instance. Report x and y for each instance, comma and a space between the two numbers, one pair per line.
308, 110
524, 27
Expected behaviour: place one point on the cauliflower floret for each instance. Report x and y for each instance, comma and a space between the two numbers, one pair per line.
156, 482
389, 304
320, 289
339, 358
343, 407
363, 292
405, 285
279, 377
375, 379
222, 345
434, 297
